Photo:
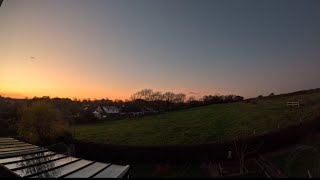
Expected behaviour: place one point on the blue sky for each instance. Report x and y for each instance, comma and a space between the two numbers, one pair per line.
112, 48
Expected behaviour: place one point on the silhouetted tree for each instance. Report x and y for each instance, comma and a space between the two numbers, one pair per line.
41, 123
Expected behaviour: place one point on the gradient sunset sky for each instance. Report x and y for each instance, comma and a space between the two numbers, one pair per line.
113, 48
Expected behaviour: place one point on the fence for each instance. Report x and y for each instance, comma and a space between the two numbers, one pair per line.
293, 103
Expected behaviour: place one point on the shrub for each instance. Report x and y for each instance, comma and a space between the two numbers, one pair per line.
41, 123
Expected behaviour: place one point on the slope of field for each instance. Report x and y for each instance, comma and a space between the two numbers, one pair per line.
295, 161
202, 124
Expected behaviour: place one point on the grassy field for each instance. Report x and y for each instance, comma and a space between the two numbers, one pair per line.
295, 161
201, 124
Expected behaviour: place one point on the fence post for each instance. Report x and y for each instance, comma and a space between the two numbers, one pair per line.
309, 174
300, 120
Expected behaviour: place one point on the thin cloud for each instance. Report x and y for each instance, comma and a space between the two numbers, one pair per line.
194, 93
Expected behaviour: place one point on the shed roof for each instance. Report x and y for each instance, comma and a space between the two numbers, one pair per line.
20, 159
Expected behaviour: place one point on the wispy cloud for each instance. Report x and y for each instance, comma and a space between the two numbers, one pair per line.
193, 93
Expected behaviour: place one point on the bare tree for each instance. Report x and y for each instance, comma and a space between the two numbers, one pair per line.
145, 94
179, 98
242, 149
157, 96
169, 96
191, 99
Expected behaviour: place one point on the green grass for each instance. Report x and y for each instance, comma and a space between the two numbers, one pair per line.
296, 160
202, 124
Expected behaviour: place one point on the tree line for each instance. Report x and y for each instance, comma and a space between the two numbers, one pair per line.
44, 112
171, 101
145, 98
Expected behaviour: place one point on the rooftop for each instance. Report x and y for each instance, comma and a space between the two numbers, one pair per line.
20, 159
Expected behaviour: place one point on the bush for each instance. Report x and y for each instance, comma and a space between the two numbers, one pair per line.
41, 123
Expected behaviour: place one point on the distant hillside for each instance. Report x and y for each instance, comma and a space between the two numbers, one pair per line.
206, 123
292, 94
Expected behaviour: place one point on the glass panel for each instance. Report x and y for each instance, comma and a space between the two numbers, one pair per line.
14, 145
5, 138
64, 170
8, 141
11, 143
9, 154
113, 171
88, 171
16, 148
26, 157
43, 167
20, 152
33, 161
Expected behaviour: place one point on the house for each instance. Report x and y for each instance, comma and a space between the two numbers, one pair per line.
135, 110
85, 114
106, 111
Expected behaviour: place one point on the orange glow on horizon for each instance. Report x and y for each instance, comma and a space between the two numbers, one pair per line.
70, 95
22, 96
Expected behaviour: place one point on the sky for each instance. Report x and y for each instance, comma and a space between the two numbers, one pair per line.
113, 48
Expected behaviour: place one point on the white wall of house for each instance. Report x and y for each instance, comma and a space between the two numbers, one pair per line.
99, 112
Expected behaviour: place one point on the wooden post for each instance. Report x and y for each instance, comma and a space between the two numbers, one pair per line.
254, 131
229, 154
300, 119
309, 174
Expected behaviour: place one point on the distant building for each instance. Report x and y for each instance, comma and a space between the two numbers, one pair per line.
85, 114
135, 110
106, 111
